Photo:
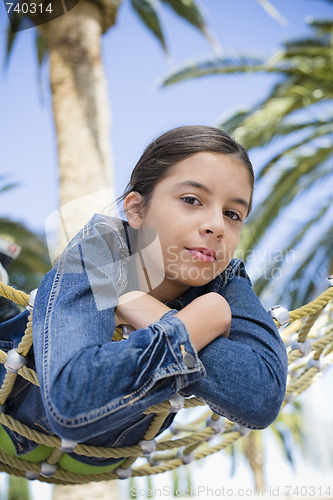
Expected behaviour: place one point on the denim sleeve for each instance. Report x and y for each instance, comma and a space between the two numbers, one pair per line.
246, 373
90, 382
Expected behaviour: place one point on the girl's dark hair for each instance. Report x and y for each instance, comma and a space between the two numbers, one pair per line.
177, 145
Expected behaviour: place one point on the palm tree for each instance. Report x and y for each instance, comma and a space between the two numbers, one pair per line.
288, 432
78, 86
18, 489
296, 119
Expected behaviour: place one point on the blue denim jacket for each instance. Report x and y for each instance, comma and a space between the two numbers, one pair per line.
94, 390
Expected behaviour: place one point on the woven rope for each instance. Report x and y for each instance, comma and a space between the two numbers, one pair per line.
190, 438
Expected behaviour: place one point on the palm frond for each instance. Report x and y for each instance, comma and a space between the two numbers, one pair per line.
319, 257
259, 126
273, 12
234, 120
308, 278
42, 49
266, 120
6, 187
16, 20
214, 66
148, 14
264, 282
190, 12
321, 26
287, 187
319, 132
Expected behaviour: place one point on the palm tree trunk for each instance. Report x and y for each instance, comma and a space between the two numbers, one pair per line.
254, 453
18, 488
80, 109
104, 490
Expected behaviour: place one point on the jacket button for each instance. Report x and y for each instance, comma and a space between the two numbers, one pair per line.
189, 360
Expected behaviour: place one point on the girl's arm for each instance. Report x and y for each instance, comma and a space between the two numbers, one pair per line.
246, 374
88, 381
205, 318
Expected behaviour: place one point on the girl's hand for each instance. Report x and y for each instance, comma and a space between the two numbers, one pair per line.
206, 318
119, 320
139, 310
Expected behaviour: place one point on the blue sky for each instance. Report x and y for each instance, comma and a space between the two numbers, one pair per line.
134, 63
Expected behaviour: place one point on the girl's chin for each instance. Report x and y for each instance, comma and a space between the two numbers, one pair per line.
193, 276
191, 281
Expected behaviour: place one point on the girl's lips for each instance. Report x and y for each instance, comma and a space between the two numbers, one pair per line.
203, 254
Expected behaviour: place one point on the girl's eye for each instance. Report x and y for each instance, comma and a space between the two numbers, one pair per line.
232, 215
190, 200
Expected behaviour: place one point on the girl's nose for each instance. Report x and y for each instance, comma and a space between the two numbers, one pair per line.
214, 224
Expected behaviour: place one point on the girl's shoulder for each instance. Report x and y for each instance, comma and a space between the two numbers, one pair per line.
101, 230
100, 244
101, 225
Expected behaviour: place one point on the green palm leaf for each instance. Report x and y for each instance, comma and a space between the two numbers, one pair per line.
290, 184
189, 11
219, 65
6, 186
16, 20
266, 280
146, 10
273, 12
321, 130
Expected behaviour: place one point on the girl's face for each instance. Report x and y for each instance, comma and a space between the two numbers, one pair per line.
198, 211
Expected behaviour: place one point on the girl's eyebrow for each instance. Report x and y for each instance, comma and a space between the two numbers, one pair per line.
241, 201
198, 185
194, 184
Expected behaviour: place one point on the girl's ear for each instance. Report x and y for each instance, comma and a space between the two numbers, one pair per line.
133, 206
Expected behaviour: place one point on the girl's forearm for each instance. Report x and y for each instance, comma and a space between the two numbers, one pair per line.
205, 318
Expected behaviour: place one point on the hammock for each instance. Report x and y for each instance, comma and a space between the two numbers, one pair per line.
307, 333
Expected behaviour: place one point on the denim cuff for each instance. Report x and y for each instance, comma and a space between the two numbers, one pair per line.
169, 314
182, 349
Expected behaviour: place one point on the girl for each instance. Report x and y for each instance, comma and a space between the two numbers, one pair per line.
167, 274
